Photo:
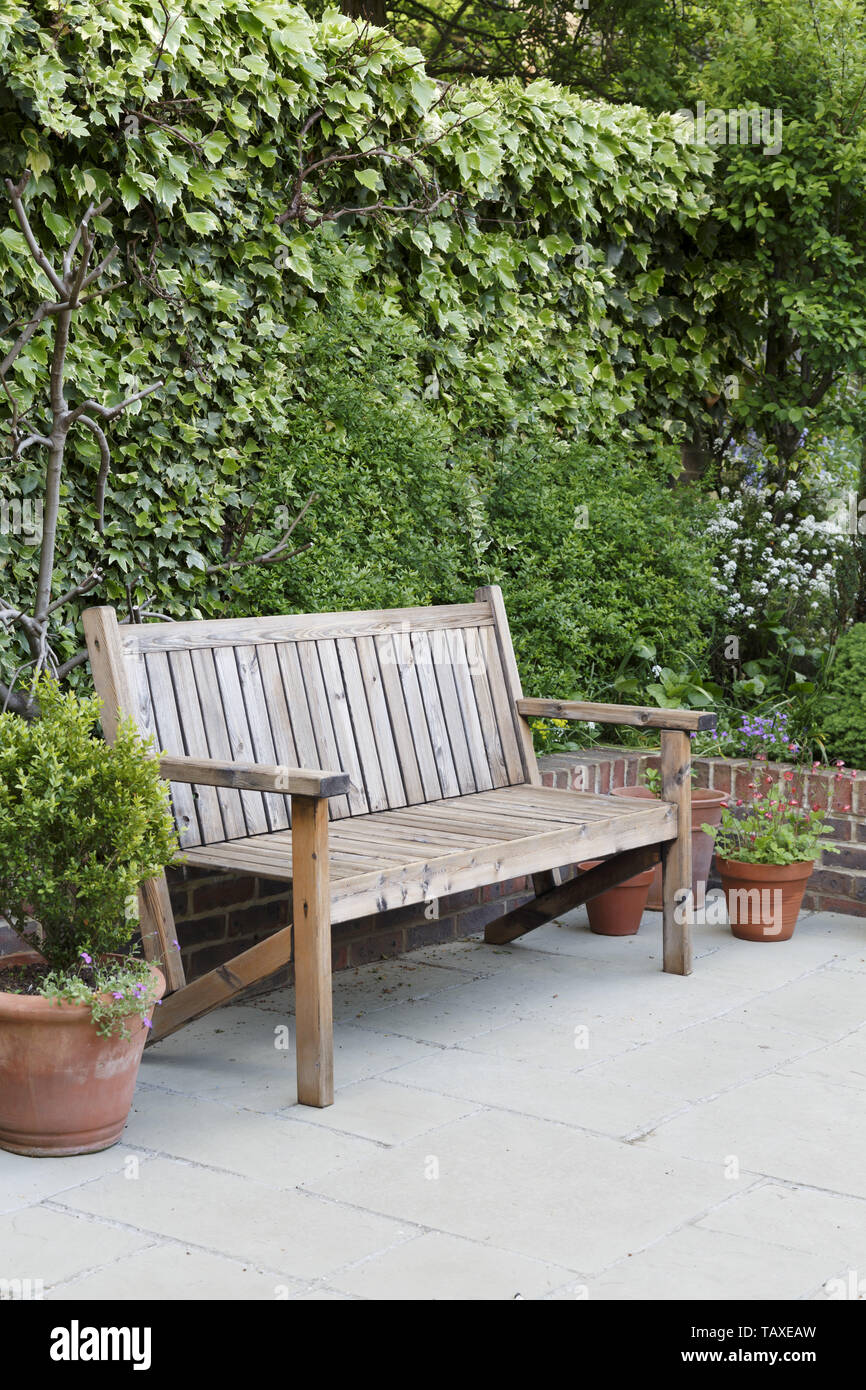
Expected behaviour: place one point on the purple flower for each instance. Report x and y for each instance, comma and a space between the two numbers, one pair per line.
88, 960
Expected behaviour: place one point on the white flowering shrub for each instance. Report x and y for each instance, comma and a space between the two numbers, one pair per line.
779, 570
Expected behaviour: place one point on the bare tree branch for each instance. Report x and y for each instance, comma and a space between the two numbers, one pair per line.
83, 588
270, 557
16, 193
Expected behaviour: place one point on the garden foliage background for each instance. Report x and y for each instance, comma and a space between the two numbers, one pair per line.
478, 329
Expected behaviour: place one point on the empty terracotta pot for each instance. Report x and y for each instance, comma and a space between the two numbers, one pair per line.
63, 1088
618, 911
763, 900
707, 809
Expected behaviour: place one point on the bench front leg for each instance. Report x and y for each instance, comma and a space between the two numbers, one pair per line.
676, 771
311, 909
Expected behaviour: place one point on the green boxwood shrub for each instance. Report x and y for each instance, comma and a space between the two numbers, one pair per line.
411, 510
82, 825
842, 710
597, 553
391, 519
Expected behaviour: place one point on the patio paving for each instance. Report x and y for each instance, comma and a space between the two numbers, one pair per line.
554, 1119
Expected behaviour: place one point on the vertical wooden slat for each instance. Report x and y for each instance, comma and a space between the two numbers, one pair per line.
238, 733
416, 718
309, 754
477, 670
392, 689
274, 694
384, 732
189, 714
311, 908
435, 714
443, 671
323, 727
349, 754
677, 854
468, 706
492, 594
366, 740
213, 719
503, 706
259, 725
170, 740
141, 707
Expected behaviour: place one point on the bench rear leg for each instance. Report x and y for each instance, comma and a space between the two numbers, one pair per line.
677, 854
311, 898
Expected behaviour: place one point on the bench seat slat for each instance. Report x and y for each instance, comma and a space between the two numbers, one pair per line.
374, 868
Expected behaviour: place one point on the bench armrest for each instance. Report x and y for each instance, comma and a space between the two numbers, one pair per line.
255, 777
685, 720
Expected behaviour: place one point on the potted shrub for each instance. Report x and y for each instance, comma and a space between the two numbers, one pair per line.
82, 825
765, 857
706, 810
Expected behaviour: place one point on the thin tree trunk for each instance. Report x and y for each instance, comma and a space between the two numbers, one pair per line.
374, 11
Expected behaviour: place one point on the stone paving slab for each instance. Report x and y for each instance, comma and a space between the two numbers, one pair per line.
555, 1119
178, 1273
534, 1188
296, 1233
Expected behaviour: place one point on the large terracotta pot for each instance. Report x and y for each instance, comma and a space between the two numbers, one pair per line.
768, 897
63, 1088
618, 911
707, 807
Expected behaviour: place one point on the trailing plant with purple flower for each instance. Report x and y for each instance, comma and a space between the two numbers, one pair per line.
766, 736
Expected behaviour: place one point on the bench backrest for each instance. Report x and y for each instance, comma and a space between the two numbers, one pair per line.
414, 704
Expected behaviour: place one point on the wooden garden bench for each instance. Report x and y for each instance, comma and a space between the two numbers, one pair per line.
374, 759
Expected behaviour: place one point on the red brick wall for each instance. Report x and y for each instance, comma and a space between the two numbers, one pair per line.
219, 915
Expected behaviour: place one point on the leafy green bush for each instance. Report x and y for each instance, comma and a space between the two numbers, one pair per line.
82, 825
597, 555
411, 510
391, 523
842, 711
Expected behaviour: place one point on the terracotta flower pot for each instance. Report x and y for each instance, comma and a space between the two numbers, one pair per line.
618, 911
707, 809
763, 900
63, 1088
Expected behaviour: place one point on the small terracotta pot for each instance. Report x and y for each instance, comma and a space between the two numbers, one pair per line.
618, 911
707, 807
63, 1088
763, 900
